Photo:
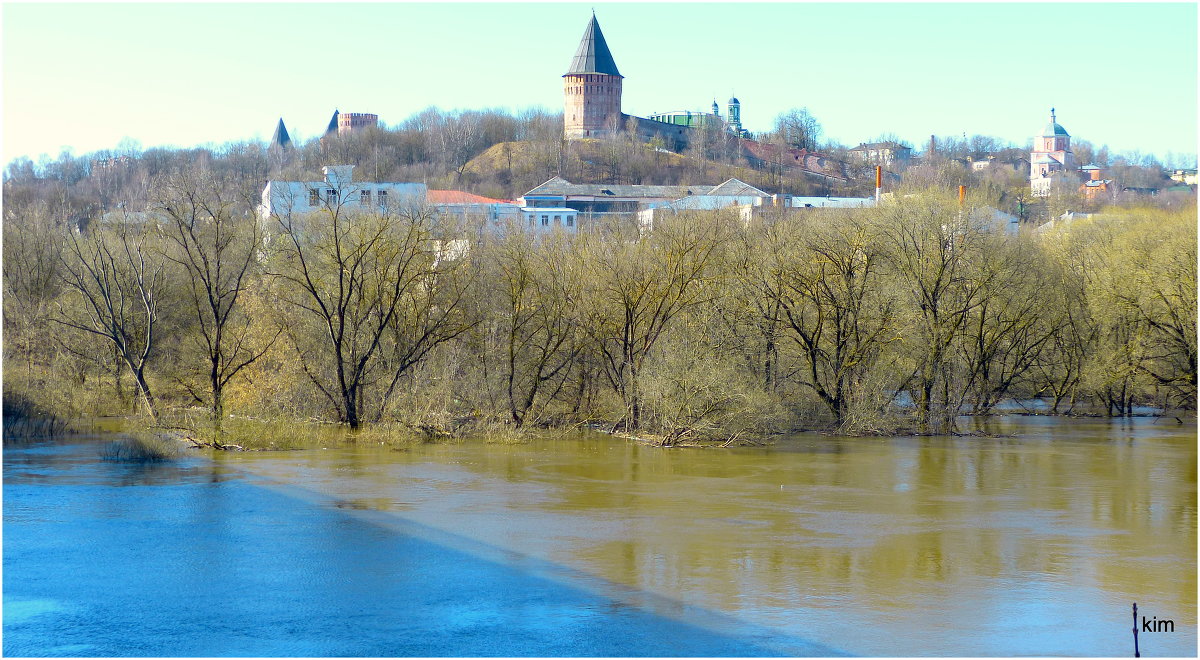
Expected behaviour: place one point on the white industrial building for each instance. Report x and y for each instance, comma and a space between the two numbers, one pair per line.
338, 190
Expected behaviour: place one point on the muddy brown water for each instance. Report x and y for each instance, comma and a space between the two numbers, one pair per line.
1035, 543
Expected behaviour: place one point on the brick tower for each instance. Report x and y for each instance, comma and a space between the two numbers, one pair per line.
349, 122
592, 89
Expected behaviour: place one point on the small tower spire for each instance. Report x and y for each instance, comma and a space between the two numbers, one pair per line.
332, 128
281, 138
1052, 114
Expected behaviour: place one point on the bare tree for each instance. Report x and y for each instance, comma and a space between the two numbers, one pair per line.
217, 254
798, 129
536, 318
32, 278
931, 247
116, 280
637, 287
1016, 319
824, 275
374, 284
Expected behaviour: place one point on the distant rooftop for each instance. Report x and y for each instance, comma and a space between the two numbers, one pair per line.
880, 145
460, 197
737, 188
559, 186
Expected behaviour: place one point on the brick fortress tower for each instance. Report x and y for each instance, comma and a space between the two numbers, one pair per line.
349, 122
592, 89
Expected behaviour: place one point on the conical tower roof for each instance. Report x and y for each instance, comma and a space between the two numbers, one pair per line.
332, 129
281, 137
593, 55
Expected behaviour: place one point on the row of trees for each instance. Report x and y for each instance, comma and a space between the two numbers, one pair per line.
500, 154
871, 320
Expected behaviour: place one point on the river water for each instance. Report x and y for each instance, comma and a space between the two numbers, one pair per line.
1033, 543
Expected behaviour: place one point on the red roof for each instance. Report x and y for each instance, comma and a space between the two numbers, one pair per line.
460, 197
800, 158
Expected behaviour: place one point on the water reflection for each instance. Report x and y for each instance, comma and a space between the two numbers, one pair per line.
128, 564
851, 539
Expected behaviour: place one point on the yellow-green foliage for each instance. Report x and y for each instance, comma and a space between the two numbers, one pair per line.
1139, 269
705, 327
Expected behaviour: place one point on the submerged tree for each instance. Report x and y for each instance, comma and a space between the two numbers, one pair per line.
825, 276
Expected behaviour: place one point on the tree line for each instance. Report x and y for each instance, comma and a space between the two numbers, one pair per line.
894, 319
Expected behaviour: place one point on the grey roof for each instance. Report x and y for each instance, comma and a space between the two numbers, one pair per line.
707, 202
332, 128
559, 186
737, 188
281, 137
894, 146
593, 55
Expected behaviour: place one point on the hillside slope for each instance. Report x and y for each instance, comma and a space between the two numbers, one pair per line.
509, 169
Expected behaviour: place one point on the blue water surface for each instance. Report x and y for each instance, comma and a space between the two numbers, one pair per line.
192, 559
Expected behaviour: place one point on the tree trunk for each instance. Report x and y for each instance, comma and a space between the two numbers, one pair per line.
144, 390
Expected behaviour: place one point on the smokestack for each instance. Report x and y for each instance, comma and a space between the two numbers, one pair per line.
878, 182
962, 195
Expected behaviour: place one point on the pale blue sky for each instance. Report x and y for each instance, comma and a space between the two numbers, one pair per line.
84, 76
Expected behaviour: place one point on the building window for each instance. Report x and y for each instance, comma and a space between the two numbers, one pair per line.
314, 198
570, 221
331, 195
382, 197
558, 219
364, 198
545, 221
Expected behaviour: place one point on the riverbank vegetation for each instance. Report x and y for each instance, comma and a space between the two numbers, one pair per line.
896, 319
141, 447
145, 285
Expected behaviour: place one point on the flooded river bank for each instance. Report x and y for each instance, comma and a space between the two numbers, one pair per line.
1033, 544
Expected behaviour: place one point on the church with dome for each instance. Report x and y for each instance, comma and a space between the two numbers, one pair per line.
1053, 159
1051, 155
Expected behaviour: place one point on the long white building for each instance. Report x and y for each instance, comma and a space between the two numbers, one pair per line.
338, 190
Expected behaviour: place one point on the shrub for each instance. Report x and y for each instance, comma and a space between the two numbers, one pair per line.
141, 448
